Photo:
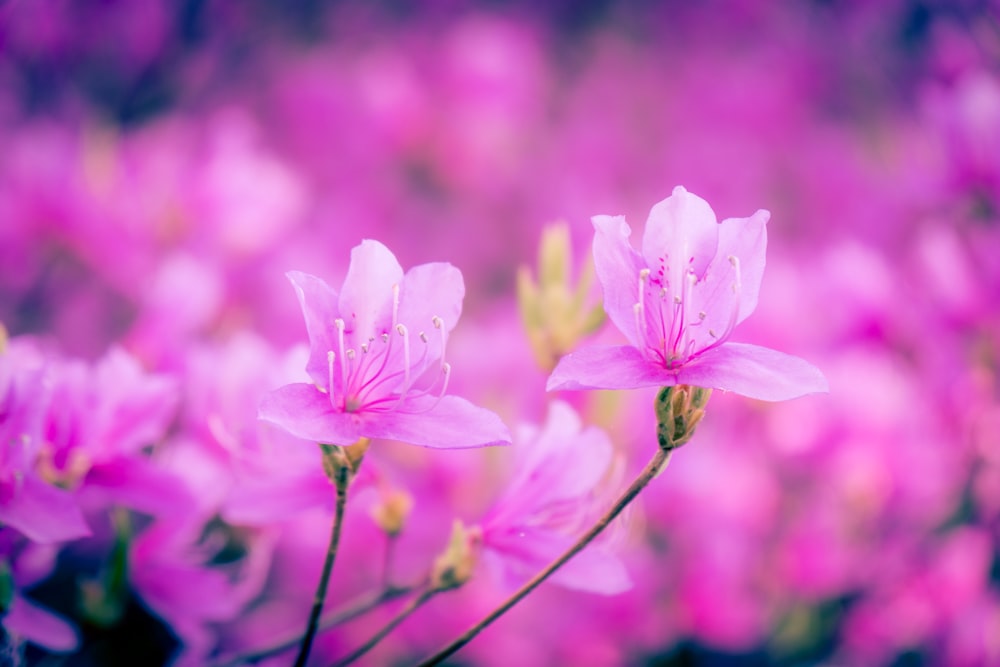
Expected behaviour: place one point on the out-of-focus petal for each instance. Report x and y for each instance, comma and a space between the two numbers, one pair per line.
142, 485
39, 626
43, 513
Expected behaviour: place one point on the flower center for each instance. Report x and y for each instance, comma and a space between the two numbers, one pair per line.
669, 325
382, 372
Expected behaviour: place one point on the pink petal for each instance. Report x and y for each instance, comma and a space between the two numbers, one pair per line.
745, 238
605, 367
44, 513
266, 501
39, 626
319, 308
428, 291
140, 484
753, 371
617, 265
681, 232
305, 412
452, 423
366, 297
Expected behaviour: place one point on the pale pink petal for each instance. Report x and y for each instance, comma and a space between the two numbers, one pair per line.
305, 412
43, 513
366, 297
448, 423
681, 233
39, 626
319, 308
617, 265
745, 239
606, 367
753, 371
429, 291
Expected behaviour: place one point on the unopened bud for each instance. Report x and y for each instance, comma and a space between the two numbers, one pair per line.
678, 411
392, 510
455, 566
3, 338
556, 313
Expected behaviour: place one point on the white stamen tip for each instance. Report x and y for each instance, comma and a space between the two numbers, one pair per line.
351, 354
423, 336
339, 323
400, 329
438, 322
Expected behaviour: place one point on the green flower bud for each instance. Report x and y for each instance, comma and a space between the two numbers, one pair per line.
455, 566
678, 411
556, 314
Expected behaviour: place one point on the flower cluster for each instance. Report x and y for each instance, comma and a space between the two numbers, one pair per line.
176, 421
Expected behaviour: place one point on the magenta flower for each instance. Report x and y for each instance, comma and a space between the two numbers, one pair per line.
678, 301
553, 496
377, 358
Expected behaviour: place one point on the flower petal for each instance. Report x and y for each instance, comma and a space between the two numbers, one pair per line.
43, 513
366, 297
757, 372
39, 626
746, 239
681, 232
140, 484
618, 265
429, 291
305, 412
319, 308
448, 423
606, 367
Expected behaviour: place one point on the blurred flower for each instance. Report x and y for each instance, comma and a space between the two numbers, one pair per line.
373, 377
28, 504
678, 302
553, 496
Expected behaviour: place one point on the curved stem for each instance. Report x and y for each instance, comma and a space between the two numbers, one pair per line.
652, 469
414, 604
341, 476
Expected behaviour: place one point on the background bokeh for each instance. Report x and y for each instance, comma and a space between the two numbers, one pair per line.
163, 164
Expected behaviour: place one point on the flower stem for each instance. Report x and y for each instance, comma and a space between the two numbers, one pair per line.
652, 469
413, 605
340, 472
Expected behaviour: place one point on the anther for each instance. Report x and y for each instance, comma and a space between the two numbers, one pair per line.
423, 336
438, 322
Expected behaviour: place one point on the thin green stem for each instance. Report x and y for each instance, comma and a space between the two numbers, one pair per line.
652, 469
413, 605
341, 476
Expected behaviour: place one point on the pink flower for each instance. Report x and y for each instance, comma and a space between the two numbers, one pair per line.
677, 301
553, 497
377, 358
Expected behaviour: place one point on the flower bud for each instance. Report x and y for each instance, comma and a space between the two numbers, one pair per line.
678, 411
455, 566
556, 314
392, 510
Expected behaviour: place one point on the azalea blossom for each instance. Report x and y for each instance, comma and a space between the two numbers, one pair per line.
377, 359
552, 497
678, 300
